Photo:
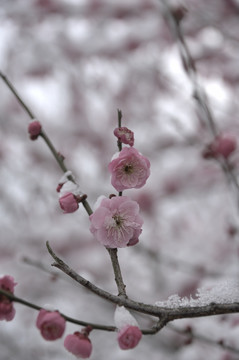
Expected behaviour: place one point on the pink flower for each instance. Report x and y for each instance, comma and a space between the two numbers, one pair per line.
7, 311
68, 203
34, 129
51, 324
124, 135
129, 170
78, 344
223, 145
129, 337
129, 333
116, 223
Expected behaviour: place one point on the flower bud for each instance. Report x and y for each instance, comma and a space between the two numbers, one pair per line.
78, 344
68, 203
224, 145
34, 129
124, 135
51, 324
7, 311
129, 333
129, 337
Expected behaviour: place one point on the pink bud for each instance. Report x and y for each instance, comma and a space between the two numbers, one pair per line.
34, 129
7, 311
59, 186
51, 324
223, 145
124, 135
68, 203
78, 344
129, 337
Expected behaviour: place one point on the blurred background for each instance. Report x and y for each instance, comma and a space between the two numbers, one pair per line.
75, 62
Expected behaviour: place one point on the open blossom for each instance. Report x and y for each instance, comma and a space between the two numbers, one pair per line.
51, 324
78, 344
116, 223
129, 333
7, 311
129, 170
124, 135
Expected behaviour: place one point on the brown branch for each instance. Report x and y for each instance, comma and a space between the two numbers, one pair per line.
168, 314
95, 326
67, 318
117, 272
15, 93
58, 157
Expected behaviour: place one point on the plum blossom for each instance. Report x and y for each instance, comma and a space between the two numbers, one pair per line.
129, 170
116, 223
129, 333
129, 337
68, 202
79, 344
7, 311
51, 324
124, 135
34, 129
223, 145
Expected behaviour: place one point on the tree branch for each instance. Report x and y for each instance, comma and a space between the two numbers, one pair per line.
117, 272
192, 335
168, 314
67, 318
198, 92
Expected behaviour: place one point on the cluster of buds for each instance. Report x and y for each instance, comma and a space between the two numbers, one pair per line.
52, 326
115, 223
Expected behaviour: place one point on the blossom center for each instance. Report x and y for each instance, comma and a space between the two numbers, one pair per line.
118, 219
128, 169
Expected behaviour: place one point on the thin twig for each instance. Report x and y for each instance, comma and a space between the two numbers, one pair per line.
117, 272
58, 157
39, 265
95, 326
119, 143
198, 91
15, 93
67, 318
192, 335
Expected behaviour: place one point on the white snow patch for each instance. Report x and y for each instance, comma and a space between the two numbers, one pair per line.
225, 292
122, 318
